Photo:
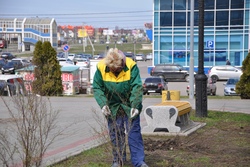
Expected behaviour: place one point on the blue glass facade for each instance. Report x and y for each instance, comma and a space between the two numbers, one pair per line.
226, 31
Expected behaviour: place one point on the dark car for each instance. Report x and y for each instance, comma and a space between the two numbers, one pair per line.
7, 55
90, 56
130, 55
154, 85
170, 72
2, 63
10, 67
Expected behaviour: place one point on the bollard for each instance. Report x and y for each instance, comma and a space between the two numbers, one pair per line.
170, 95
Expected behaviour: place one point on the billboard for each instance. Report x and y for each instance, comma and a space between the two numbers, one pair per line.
82, 33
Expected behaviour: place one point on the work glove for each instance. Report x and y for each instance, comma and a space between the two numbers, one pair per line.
105, 110
133, 112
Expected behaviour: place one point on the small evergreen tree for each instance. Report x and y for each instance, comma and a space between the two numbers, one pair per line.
47, 71
243, 86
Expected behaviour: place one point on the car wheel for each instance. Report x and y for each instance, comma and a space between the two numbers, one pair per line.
2, 72
214, 78
147, 93
187, 78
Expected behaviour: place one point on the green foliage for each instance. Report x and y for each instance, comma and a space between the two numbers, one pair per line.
243, 86
47, 71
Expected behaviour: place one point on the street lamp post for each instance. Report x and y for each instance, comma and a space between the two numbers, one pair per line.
201, 78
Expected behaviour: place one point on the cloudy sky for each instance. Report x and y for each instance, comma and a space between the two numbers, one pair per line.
97, 13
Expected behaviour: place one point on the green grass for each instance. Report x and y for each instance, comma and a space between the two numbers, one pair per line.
99, 48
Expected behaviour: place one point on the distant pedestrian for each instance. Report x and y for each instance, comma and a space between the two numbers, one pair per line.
107, 47
228, 62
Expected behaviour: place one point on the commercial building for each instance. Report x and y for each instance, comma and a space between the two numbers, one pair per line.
28, 31
226, 31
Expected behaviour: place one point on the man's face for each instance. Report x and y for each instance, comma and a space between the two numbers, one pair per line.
116, 70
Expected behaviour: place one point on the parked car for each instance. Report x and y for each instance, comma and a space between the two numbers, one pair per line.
99, 56
229, 89
71, 56
82, 63
140, 57
149, 56
23, 61
7, 55
224, 72
154, 85
170, 72
80, 56
2, 62
130, 55
10, 67
211, 87
65, 62
89, 56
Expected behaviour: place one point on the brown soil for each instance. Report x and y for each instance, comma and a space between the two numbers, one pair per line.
227, 146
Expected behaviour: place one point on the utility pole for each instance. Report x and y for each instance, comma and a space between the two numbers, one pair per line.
201, 78
83, 41
191, 60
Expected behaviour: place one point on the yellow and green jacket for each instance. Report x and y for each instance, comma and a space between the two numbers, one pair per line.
121, 92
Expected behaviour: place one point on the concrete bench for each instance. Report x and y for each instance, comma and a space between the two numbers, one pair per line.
171, 115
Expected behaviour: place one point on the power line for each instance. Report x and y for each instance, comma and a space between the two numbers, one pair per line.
71, 14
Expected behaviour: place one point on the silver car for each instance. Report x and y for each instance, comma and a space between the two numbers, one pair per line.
224, 72
211, 88
229, 89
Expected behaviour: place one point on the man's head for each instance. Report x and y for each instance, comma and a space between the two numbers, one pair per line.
114, 60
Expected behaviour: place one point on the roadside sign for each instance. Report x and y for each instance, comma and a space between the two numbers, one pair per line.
210, 44
65, 48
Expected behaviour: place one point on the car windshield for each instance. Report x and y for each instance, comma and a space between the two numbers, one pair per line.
10, 63
232, 81
154, 80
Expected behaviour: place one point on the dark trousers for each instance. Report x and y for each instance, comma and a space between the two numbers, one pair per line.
117, 135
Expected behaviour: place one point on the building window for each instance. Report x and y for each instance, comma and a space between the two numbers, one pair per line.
236, 4
180, 5
179, 18
166, 19
196, 18
209, 19
209, 4
221, 18
166, 5
222, 4
236, 17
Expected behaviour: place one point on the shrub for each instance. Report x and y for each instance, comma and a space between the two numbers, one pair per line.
48, 80
243, 86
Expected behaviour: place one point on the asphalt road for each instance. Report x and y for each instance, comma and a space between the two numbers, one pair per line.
176, 85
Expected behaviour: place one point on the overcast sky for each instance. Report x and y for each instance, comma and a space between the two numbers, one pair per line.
97, 13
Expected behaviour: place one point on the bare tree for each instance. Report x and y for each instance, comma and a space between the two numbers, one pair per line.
33, 125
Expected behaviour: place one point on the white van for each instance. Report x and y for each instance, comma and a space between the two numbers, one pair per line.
11, 85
